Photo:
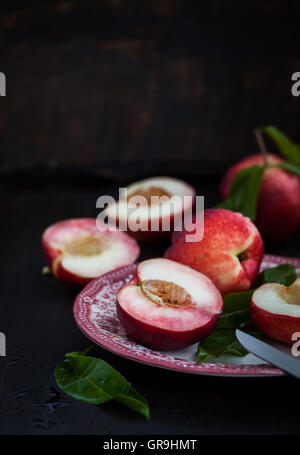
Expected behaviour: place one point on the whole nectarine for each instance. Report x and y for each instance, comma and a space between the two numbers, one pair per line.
278, 205
230, 252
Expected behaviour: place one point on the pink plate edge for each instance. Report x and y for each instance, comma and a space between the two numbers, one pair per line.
159, 359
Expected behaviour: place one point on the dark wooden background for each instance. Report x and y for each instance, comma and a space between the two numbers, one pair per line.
126, 89
101, 93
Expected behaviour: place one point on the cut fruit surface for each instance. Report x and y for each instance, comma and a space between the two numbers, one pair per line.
275, 310
77, 251
150, 208
169, 305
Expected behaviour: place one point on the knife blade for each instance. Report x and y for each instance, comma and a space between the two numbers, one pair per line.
280, 356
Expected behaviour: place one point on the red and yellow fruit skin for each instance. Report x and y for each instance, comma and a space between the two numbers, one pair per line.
224, 231
278, 209
277, 326
162, 339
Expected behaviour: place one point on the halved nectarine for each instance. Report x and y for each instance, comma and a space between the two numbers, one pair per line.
168, 305
149, 209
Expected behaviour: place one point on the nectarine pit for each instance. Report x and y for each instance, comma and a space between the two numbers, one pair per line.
149, 192
291, 294
85, 246
166, 294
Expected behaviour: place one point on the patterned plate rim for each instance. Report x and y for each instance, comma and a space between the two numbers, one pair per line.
133, 351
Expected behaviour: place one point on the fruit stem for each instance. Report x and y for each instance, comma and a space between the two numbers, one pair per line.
262, 145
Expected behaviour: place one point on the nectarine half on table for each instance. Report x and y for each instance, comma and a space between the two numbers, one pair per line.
278, 205
275, 310
76, 251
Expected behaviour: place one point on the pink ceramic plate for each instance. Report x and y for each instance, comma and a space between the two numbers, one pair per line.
95, 315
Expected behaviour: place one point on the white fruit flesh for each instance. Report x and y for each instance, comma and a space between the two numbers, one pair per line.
135, 303
81, 249
206, 299
195, 283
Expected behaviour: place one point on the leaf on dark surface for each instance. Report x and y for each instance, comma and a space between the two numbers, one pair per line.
289, 149
244, 190
94, 381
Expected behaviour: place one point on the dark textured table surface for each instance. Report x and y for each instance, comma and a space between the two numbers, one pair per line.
36, 316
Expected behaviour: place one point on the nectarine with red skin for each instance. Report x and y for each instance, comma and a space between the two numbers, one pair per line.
168, 306
230, 252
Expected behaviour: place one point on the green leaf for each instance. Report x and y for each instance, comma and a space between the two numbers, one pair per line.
290, 150
244, 190
235, 310
290, 168
283, 274
236, 314
94, 381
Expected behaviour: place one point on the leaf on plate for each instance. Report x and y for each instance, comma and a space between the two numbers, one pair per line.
223, 342
94, 381
235, 310
289, 149
244, 190
282, 274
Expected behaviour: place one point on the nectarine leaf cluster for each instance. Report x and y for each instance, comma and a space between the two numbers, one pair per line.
94, 381
236, 314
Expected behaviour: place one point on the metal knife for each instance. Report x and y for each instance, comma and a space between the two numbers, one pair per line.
274, 352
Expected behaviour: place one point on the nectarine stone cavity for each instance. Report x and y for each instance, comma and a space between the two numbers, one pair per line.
166, 293
77, 250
